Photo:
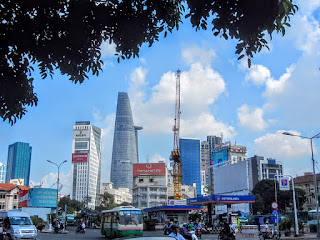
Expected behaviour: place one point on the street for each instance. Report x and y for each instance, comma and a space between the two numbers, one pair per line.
94, 234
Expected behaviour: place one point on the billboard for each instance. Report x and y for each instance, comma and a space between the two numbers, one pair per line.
149, 169
231, 178
79, 157
42, 197
220, 155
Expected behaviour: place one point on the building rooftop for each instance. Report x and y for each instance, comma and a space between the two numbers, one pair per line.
9, 186
307, 178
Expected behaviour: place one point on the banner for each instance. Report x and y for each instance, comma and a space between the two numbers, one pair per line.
23, 198
284, 184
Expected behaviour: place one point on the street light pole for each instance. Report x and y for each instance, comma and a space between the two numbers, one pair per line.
314, 174
57, 182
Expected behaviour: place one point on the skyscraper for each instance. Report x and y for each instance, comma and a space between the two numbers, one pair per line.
19, 162
125, 145
86, 163
190, 159
2, 172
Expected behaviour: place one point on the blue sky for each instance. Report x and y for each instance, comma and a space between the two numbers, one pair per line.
219, 94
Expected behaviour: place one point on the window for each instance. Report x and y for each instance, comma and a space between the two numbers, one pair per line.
151, 180
140, 180
81, 145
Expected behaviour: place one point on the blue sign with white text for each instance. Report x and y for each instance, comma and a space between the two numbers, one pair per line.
42, 197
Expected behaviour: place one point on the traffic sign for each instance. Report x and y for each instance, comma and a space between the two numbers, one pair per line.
274, 212
274, 205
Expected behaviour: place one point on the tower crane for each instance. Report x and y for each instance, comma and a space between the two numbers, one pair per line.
175, 154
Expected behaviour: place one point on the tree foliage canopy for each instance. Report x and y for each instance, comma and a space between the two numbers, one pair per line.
67, 35
264, 193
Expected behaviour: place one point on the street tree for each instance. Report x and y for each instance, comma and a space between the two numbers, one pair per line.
66, 35
72, 205
106, 201
264, 192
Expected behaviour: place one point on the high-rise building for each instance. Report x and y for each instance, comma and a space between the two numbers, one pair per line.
19, 162
2, 171
190, 159
125, 145
206, 157
86, 163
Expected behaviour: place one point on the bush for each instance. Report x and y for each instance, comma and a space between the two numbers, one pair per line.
38, 222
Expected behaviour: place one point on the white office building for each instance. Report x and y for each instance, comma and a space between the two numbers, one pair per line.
2, 172
86, 163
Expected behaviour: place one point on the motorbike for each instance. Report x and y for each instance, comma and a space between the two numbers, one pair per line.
198, 232
226, 236
80, 230
167, 230
269, 235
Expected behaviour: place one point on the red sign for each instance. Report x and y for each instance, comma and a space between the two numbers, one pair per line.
79, 157
23, 198
149, 169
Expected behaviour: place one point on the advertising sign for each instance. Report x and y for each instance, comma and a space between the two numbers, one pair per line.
178, 202
79, 157
149, 169
284, 183
23, 198
81, 134
220, 155
42, 197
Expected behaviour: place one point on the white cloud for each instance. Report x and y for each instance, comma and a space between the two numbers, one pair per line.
251, 118
107, 49
50, 181
282, 146
258, 74
195, 54
278, 86
157, 158
200, 87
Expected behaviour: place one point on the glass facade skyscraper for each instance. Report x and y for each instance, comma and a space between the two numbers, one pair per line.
86, 163
190, 160
125, 145
19, 162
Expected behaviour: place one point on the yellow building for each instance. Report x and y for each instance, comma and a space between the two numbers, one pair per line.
306, 182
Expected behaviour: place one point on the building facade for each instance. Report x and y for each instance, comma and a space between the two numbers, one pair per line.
206, 158
121, 195
125, 145
149, 185
9, 196
2, 173
306, 182
86, 163
186, 191
269, 168
190, 159
19, 162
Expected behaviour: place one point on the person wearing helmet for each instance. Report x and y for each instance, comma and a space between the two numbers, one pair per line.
175, 232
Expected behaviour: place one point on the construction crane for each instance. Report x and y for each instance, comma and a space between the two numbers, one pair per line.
175, 154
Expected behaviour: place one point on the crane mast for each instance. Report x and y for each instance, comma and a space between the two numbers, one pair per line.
175, 154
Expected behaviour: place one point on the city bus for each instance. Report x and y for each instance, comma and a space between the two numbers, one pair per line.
121, 221
312, 220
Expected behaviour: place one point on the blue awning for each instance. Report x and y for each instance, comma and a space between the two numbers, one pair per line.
172, 208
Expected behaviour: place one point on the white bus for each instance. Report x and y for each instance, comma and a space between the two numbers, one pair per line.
121, 222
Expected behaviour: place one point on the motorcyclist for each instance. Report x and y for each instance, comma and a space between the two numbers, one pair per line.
175, 232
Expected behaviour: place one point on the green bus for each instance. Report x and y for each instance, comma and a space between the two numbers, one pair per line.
121, 221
